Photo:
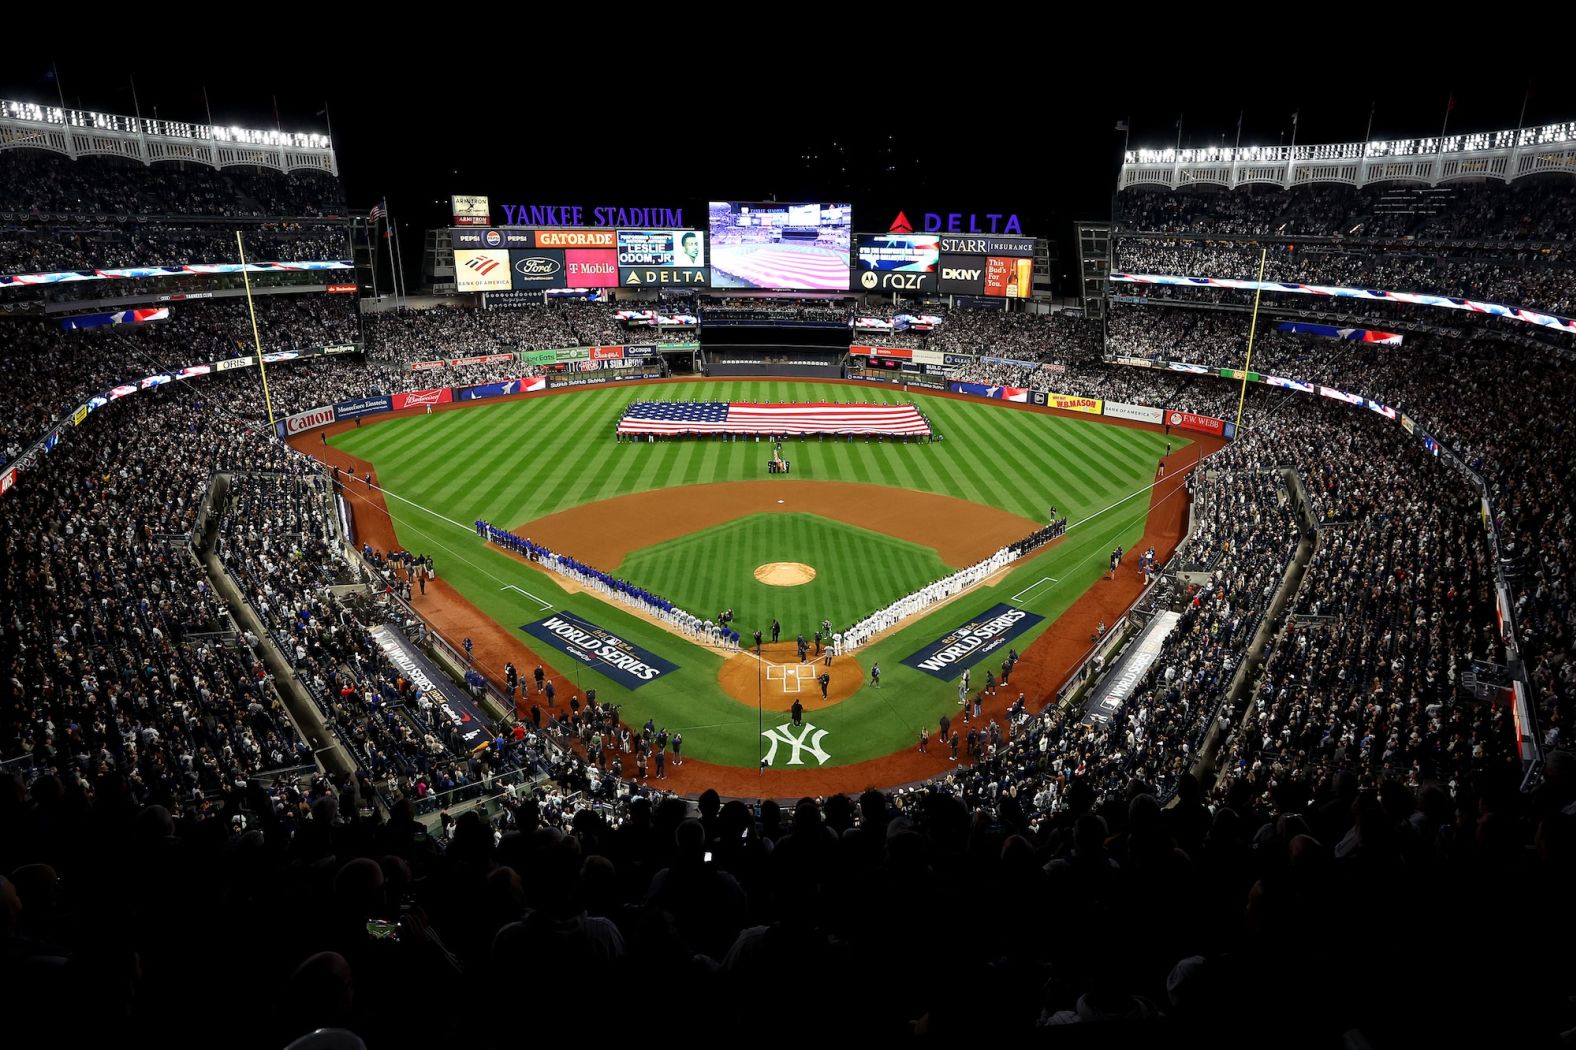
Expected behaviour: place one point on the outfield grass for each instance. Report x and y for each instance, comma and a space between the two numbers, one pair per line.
514, 461
857, 571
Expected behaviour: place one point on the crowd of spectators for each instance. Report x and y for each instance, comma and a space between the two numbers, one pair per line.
1539, 279
1527, 211
60, 189
36, 248
1462, 389
48, 372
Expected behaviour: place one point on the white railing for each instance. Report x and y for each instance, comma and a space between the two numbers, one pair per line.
79, 132
1503, 155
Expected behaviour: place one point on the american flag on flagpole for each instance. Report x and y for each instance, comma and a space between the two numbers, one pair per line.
376, 213
737, 417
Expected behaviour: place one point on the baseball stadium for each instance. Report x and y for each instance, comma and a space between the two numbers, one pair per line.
669, 583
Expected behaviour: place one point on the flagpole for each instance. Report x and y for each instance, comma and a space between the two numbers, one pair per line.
61, 88
372, 255
388, 242
1179, 130
257, 340
399, 253
1368, 136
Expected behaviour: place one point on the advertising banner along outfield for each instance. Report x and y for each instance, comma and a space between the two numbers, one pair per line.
363, 406
949, 655
418, 398
1194, 421
1073, 403
508, 386
445, 694
1000, 393
624, 662
1140, 413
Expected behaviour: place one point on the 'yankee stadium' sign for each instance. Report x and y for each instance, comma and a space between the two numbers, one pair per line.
601, 215
946, 657
602, 650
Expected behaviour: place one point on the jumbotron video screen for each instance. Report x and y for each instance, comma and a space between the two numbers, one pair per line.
780, 247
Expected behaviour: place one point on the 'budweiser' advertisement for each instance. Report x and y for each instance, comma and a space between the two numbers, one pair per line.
418, 398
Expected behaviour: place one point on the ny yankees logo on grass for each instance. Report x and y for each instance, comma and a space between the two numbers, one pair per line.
783, 734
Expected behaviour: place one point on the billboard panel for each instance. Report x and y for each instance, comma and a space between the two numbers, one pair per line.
481, 271
788, 247
590, 268
904, 262
575, 239
962, 275
471, 211
640, 248
537, 268
988, 244
1008, 278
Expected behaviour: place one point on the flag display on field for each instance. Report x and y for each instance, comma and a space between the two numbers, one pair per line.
737, 417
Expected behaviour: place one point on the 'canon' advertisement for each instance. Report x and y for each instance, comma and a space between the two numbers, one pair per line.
311, 419
418, 398
1194, 421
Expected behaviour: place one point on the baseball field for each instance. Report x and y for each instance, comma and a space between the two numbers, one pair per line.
694, 521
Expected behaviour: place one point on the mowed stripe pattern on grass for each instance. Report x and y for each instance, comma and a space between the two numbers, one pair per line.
857, 571
515, 461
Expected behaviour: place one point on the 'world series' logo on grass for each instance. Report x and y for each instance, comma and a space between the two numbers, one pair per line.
783, 734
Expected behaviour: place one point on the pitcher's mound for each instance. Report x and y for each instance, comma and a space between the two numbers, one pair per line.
784, 573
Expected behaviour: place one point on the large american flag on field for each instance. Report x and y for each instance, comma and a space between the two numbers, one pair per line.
784, 265
739, 417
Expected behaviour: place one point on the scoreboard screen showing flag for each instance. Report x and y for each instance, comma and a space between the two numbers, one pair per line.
676, 418
788, 247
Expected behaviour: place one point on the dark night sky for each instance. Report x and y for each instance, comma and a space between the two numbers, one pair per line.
1026, 131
